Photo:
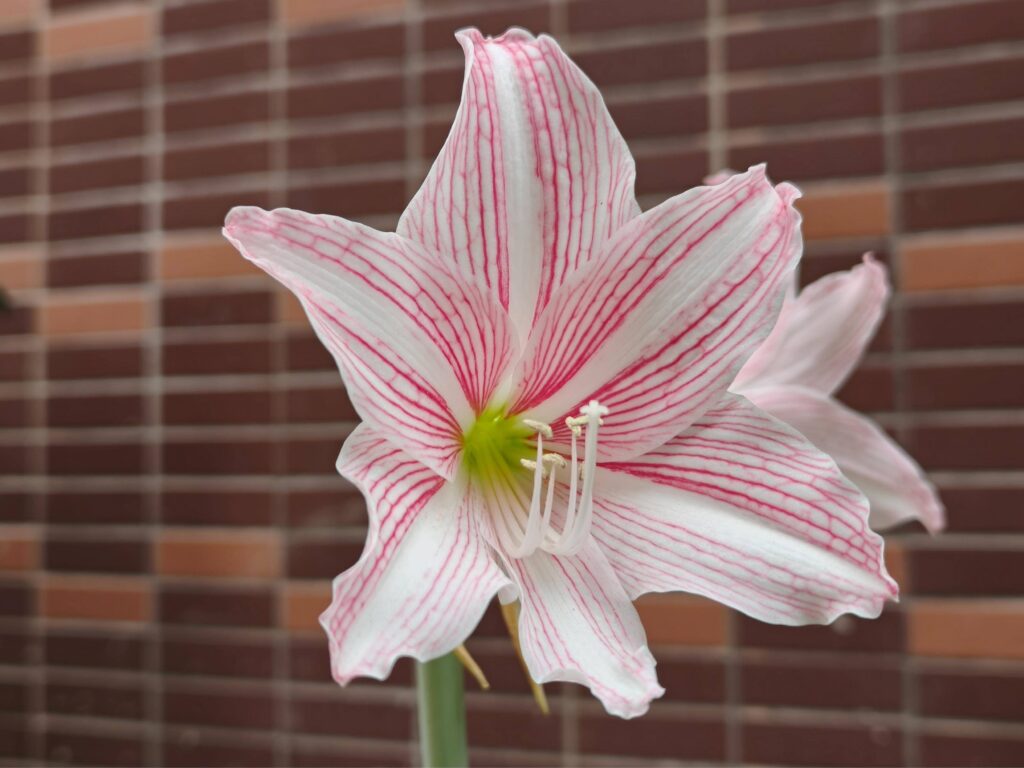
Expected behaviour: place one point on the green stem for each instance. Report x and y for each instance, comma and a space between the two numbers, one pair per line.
442, 713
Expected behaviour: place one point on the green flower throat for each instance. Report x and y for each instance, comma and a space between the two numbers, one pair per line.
495, 445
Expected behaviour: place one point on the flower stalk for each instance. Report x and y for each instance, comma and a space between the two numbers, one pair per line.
442, 713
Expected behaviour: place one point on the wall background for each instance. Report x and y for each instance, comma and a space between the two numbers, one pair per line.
168, 425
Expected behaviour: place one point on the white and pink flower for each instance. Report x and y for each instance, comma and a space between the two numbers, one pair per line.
542, 372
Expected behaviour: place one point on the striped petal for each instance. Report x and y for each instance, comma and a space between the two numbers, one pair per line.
534, 175
744, 510
658, 325
577, 624
895, 485
421, 348
821, 334
425, 576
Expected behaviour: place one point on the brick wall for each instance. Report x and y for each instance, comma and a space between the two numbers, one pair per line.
168, 425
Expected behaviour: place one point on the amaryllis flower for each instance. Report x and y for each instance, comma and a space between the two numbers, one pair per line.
542, 373
817, 342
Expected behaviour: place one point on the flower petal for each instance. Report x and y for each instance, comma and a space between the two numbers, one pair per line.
420, 347
578, 625
821, 335
656, 327
534, 175
425, 576
744, 510
895, 485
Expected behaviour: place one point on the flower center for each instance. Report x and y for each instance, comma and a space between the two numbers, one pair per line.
496, 450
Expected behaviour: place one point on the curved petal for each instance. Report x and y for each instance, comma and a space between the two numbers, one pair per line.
577, 624
425, 576
744, 510
895, 485
534, 175
658, 325
821, 335
420, 347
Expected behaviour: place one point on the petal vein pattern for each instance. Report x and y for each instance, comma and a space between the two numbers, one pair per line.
743, 509
421, 348
533, 178
425, 576
656, 327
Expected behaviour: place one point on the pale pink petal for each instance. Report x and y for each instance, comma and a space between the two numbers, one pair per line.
657, 326
534, 175
895, 485
744, 510
421, 348
821, 335
578, 625
426, 575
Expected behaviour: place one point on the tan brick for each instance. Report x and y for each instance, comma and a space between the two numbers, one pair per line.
254, 555
97, 598
18, 11
845, 211
676, 619
19, 548
301, 12
21, 269
984, 629
202, 257
948, 262
78, 316
93, 33
303, 605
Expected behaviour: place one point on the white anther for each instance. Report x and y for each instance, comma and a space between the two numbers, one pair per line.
539, 426
531, 465
576, 428
555, 459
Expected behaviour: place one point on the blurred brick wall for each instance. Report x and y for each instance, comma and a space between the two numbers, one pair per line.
168, 425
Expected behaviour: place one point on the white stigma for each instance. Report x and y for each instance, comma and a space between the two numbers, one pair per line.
539, 532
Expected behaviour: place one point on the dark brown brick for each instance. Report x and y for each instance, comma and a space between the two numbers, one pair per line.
965, 386
613, 15
380, 145
955, 85
14, 697
979, 447
962, 205
98, 174
190, 749
94, 361
17, 646
219, 657
14, 366
813, 102
214, 15
660, 117
967, 325
306, 353
217, 408
121, 701
441, 86
809, 159
984, 510
957, 572
236, 607
870, 388
15, 182
91, 508
95, 649
322, 558
190, 358
371, 94
756, 6
670, 173
16, 739
821, 745
80, 554
324, 47
16, 598
15, 91
121, 77
208, 211
350, 200
216, 63
319, 405
252, 709
17, 46
312, 457
691, 680
967, 694
644, 64
223, 110
694, 738
16, 136
92, 749
948, 146
94, 411
216, 508
225, 160
14, 413
320, 755
15, 228
851, 685
190, 458
951, 750
106, 269
882, 635
81, 459
95, 222
439, 32
959, 25
95, 127
218, 308
498, 729
846, 40
326, 509
361, 718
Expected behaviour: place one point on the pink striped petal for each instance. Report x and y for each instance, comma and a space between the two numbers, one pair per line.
658, 325
421, 348
744, 510
426, 575
821, 334
534, 175
895, 485
578, 625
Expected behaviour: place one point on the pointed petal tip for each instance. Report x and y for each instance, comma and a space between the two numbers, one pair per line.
469, 36
244, 216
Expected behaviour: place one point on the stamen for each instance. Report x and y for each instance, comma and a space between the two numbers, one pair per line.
536, 522
576, 530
